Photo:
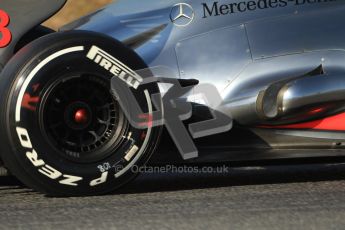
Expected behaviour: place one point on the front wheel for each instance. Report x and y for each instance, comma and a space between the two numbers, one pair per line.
67, 132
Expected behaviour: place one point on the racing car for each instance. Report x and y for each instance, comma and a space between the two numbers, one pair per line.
272, 70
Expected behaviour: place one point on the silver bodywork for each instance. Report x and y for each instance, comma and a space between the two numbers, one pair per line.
267, 58
241, 53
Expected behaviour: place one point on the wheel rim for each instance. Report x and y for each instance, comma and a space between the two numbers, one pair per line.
81, 119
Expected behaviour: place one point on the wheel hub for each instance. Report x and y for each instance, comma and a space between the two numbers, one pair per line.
81, 116
78, 115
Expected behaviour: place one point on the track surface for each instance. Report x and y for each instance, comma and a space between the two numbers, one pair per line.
275, 197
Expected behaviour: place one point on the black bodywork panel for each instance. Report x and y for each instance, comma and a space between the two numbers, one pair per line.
25, 16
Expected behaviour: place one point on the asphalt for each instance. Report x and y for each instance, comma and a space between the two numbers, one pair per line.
274, 197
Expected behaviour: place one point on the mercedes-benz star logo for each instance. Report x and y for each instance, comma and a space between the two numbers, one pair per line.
182, 14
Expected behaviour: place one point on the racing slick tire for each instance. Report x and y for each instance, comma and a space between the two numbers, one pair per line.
63, 132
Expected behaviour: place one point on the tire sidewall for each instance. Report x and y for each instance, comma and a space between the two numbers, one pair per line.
35, 172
